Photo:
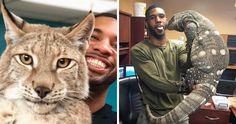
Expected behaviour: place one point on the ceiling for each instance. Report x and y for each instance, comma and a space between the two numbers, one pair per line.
221, 12
67, 12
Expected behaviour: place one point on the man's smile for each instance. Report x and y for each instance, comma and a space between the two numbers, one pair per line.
159, 28
97, 64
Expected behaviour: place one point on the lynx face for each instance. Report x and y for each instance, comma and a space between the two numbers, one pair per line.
44, 66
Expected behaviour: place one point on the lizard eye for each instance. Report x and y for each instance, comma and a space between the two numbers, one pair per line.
26, 59
63, 62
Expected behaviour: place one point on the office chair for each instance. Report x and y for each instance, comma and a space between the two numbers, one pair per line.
130, 101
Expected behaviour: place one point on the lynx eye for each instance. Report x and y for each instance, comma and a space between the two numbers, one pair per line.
26, 59
63, 62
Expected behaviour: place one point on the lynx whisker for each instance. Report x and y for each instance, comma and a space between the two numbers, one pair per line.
71, 91
73, 97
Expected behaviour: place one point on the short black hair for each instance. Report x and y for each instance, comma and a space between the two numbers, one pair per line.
155, 5
106, 15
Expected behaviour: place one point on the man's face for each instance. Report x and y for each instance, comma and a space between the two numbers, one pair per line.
102, 51
156, 21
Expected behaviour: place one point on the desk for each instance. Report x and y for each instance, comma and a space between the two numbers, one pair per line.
207, 114
232, 101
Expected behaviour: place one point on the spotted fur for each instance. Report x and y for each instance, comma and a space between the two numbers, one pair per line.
208, 56
22, 84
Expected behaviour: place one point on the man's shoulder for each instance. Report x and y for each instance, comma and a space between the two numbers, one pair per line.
140, 46
177, 44
105, 116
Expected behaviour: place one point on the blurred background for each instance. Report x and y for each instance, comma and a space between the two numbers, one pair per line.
64, 11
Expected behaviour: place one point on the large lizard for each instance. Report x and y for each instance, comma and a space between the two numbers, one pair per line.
208, 56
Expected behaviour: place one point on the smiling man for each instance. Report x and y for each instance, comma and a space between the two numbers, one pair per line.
101, 59
158, 63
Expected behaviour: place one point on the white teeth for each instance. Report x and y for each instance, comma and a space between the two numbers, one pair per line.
96, 62
160, 28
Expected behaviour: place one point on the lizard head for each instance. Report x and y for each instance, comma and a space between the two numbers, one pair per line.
175, 23
179, 21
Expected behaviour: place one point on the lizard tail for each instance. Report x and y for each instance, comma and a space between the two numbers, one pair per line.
193, 101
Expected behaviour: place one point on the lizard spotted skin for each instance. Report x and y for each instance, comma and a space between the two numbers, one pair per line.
208, 56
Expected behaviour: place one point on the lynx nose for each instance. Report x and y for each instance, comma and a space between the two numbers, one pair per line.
42, 91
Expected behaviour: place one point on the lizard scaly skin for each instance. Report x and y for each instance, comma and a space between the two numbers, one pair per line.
208, 56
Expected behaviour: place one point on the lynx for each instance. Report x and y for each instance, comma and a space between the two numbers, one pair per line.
43, 72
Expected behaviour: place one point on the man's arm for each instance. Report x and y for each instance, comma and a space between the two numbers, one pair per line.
184, 64
148, 72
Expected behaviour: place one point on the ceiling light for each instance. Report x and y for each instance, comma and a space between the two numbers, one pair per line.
82, 5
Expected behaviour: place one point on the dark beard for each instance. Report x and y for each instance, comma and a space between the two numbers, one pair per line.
156, 35
103, 81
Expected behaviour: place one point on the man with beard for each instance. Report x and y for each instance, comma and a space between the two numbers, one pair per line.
101, 60
158, 63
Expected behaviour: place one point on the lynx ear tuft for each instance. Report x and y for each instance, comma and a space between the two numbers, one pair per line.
80, 33
13, 25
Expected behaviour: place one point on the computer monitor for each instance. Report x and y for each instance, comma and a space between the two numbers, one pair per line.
227, 83
126, 71
129, 71
226, 87
229, 74
231, 41
121, 72
232, 57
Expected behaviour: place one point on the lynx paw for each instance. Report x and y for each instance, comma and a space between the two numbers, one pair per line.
6, 112
6, 118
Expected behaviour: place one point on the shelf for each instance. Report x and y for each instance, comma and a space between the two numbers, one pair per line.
124, 45
124, 37
232, 48
231, 67
124, 51
137, 30
126, 48
124, 41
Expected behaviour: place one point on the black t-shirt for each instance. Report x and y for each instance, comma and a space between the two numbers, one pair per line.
104, 116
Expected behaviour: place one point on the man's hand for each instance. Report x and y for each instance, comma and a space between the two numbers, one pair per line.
185, 87
196, 86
